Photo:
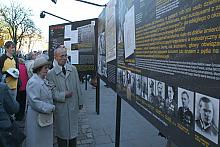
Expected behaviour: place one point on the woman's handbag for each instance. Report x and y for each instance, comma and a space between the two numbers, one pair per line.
45, 119
13, 134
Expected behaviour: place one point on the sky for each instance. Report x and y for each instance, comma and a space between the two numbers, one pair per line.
69, 9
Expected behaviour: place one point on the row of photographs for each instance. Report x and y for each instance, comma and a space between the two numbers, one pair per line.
195, 110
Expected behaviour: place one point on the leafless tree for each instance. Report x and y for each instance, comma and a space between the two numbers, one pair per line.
17, 21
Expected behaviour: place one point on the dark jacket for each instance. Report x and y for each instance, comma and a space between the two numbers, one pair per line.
8, 106
186, 117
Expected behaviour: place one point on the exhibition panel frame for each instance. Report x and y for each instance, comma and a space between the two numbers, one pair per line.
162, 57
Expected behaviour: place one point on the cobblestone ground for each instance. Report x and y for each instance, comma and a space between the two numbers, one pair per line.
86, 137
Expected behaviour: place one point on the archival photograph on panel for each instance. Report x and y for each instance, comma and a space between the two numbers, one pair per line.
130, 84
151, 89
171, 101
124, 77
144, 88
101, 43
120, 76
207, 117
102, 68
159, 99
185, 107
138, 85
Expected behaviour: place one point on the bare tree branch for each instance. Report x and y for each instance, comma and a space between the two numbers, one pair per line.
17, 21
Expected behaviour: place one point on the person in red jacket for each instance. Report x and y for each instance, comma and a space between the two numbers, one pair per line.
21, 94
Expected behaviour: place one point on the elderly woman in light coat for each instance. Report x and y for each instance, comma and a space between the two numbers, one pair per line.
68, 99
39, 121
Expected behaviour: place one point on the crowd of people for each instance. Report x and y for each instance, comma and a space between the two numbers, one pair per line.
48, 100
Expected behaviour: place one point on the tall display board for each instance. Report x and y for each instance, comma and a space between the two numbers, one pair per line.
107, 44
80, 40
168, 65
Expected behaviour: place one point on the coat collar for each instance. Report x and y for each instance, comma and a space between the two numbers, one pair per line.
58, 70
37, 78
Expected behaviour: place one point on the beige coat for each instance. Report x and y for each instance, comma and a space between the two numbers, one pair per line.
40, 100
66, 112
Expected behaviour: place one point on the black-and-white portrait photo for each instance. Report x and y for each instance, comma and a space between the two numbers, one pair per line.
130, 84
171, 101
207, 117
119, 76
102, 68
185, 107
133, 79
101, 43
159, 99
151, 89
124, 77
144, 88
138, 85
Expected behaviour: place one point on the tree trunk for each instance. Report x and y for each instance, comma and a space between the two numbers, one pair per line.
29, 44
15, 39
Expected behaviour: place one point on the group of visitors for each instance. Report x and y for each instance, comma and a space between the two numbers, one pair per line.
49, 99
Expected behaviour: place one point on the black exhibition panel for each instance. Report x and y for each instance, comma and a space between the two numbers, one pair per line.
168, 64
80, 40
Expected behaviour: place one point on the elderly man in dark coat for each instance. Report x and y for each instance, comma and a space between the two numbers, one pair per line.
68, 99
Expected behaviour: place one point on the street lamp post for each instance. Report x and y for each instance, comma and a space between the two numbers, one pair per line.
42, 15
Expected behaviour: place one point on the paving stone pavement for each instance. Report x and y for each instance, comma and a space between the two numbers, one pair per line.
86, 137
99, 130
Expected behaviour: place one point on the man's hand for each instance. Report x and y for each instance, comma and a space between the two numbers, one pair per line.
68, 94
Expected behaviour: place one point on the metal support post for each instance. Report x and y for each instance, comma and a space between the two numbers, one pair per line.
118, 122
98, 96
